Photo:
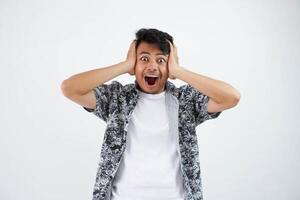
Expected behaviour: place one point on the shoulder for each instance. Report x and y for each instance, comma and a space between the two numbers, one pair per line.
187, 91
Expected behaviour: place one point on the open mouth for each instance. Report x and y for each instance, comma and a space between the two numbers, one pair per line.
151, 80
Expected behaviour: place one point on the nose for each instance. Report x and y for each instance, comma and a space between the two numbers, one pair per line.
153, 66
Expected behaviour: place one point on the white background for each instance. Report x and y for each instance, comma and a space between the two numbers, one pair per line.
50, 146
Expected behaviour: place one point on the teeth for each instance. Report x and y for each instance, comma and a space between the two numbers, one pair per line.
152, 76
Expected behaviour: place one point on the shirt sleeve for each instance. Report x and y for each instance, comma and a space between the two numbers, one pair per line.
200, 103
104, 95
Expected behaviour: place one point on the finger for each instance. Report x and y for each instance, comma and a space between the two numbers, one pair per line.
133, 43
171, 46
175, 49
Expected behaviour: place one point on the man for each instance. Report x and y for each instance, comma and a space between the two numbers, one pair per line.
150, 148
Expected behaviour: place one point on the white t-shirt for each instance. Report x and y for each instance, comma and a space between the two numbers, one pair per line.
150, 167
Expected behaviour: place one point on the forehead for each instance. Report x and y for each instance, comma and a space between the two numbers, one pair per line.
145, 47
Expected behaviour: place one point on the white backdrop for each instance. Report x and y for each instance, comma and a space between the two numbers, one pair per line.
50, 146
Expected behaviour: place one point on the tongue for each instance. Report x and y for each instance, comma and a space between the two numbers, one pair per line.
151, 80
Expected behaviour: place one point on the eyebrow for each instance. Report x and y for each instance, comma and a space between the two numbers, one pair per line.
145, 52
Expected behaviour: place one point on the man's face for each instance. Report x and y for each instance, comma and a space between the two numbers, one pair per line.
151, 70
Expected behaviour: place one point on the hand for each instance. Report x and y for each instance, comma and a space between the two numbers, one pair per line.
131, 58
173, 62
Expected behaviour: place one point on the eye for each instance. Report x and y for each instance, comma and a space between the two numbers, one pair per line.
144, 58
161, 60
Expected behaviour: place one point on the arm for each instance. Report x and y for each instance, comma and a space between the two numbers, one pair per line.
79, 87
221, 95
82, 83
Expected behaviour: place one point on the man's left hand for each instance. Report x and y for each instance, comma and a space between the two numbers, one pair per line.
173, 63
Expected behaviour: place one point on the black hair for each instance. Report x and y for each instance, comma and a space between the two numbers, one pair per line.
154, 36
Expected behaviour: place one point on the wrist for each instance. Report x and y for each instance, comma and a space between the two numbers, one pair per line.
124, 67
129, 66
178, 72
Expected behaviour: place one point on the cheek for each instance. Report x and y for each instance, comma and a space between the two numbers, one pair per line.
139, 70
138, 67
164, 70
141, 64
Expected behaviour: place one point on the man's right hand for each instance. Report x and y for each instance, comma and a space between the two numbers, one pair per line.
131, 58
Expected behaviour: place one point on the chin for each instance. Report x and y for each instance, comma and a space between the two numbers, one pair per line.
151, 88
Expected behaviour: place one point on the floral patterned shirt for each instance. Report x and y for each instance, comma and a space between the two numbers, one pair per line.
187, 108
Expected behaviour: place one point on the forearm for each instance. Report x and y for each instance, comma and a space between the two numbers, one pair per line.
84, 82
219, 91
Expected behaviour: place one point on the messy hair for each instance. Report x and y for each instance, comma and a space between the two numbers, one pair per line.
154, 36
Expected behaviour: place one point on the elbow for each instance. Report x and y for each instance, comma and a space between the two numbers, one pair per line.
65, 88
236, 98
